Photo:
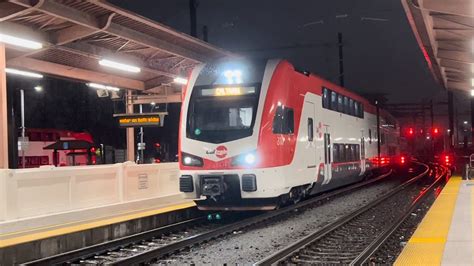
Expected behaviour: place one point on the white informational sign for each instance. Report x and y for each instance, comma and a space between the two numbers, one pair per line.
23, 143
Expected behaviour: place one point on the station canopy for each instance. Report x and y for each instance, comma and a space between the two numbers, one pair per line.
77, 35
444, 30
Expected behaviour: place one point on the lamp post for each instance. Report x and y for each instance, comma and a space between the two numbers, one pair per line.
23, 143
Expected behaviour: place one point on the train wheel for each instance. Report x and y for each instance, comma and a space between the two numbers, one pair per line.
296, 194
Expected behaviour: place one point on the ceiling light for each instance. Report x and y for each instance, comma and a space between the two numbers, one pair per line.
180, 80
20, 42
38, 88
472, 92
120, 66
102, 87
23, 73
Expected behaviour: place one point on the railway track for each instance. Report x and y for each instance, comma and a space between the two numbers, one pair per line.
152, 245
354, 238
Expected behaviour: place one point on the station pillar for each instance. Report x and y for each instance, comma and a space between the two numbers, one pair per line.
130, 130
3, 110
451, 119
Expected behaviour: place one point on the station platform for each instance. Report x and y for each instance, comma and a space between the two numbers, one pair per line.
36, 242
46, 211
446, 234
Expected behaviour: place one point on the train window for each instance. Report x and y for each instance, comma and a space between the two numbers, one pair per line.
335, 153
326, 101
356, 108
351, 107
340, 103
283, 122
361, 110
357, 152
310, 129
350, 153
346, 105
342, 153
333, 101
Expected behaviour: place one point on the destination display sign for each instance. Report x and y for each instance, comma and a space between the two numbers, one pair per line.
143, 120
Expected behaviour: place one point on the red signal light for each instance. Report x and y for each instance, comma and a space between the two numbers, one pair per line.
402, 159
92, 150
435, 131
410, 131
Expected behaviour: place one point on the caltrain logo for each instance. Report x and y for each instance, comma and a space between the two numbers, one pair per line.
221, 151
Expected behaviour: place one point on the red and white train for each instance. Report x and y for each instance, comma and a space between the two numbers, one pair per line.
261, 134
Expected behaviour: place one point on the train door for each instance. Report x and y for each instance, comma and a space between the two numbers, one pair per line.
310, 145
327, 157
362, 153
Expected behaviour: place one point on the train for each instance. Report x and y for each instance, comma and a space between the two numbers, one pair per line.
257, 135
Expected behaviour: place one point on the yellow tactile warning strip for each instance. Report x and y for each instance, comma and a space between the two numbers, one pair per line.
65, 229
426, 246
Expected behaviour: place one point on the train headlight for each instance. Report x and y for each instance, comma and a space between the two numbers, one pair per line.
250, 158
187, 160
245, 159
191, 160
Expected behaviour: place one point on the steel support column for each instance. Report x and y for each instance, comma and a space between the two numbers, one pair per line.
130, 130
3, 110
451, 119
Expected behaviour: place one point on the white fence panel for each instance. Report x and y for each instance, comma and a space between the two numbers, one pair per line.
3, 194
26, 193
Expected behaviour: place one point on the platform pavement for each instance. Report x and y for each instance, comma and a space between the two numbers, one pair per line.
445, 235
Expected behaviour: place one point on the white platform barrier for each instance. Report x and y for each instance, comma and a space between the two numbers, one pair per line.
3, 194
26, 193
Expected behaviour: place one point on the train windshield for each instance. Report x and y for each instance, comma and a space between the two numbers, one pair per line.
224, 100
221, 114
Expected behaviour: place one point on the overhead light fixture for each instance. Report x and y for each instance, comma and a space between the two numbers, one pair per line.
20, 42
119, 66
180, 80
472, 93
38, 88
23, 73
102, 87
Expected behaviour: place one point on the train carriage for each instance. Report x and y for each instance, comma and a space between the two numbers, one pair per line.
255, 135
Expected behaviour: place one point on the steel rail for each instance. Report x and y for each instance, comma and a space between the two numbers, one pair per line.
226, 229
382, 238
284, 253
90, 251
113, 244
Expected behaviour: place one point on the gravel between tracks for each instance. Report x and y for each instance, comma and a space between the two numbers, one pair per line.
253, 245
